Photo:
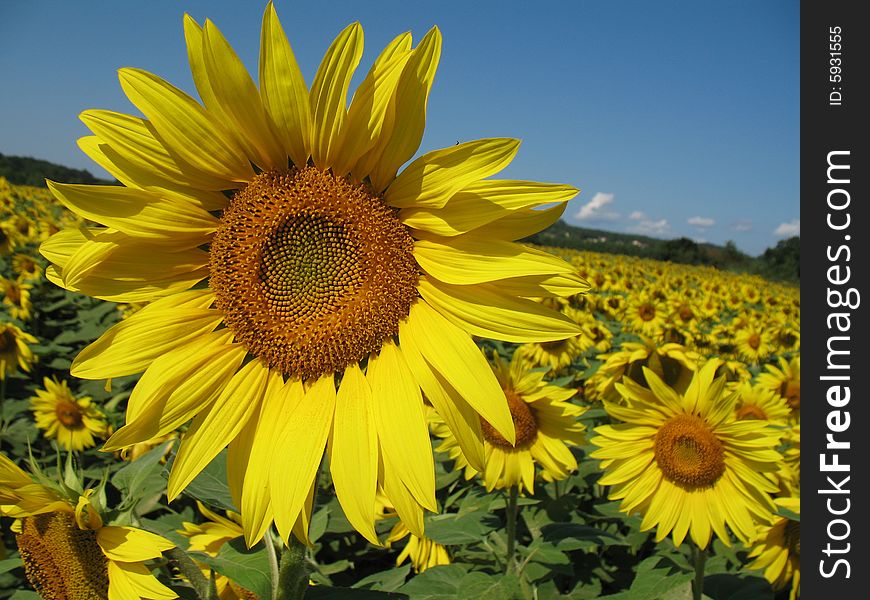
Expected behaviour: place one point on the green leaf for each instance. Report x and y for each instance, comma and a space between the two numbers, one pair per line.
143, 476
248, 567
460, 528
210, 485
322, 592
477, 585
656, 576
25, 595
386, 581
10, 564
734, 587
437, 583
573, 536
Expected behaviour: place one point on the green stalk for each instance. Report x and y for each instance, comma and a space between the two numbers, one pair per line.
700, 558
511, 563
204, 588
293, 572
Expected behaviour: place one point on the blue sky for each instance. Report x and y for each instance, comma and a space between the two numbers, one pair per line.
674, 118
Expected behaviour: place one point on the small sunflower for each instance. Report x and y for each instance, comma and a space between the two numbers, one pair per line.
319, 260
645, 315
26, 267
685, 463
753, 344
73, 422
756, 402
422, 551
14, 351
546, 426
68, 551
16, 297
778, 550
785, 380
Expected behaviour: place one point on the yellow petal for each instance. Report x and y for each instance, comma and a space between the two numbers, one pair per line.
134, 581
365, 118
132, 345
431, 180
465, 261
458, 360
543, 286
463, 421
176, 387
299, 446
251, 453
486, 313
211, 432
353, 452
133, 140
520, 223
409, 511
408, 111
283, 89
240, 102
400, 423
483, 202
328, 96
137, 213
184, 127
130, 544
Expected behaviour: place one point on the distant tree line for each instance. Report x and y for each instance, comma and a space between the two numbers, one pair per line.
24, 170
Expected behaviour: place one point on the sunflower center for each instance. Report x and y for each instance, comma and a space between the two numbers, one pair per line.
751, 411
61, 561
524, 423
686, 313
754, 341
69, 415
13, 294
791, 391
689, 453
311, 272
647, 312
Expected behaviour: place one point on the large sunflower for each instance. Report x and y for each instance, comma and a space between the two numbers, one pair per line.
68, 551
318, 261
685, 462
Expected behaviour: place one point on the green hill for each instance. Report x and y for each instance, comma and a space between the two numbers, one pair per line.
24, 170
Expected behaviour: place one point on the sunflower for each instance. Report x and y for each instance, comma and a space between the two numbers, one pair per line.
16, 296
557, 355
645, 315
322, 261
8, 238
786, 381
545, 426
14, 351
26, 267
778, 549
684, 462
68, 551
756, 402
753, 343
73, 422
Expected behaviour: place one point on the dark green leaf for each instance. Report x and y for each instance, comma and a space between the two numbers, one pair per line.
248, 567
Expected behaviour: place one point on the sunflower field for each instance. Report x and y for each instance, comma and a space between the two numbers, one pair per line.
287, 356
563, 514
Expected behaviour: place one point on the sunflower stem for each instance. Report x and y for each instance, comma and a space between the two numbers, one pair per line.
272, 553
510, 563
205, 589
293, 572
700, 559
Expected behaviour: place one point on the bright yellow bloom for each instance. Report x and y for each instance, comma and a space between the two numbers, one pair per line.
753, 344
73, 422
14, 351
545, 425
309, 271
26, 267
67, 550
685, 463
422, 551
786, 381
778, 550
756, 402
16, 297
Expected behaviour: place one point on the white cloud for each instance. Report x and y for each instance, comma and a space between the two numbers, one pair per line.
650, 227
702, 222
637, 215
596, 209
788, 229
741, 226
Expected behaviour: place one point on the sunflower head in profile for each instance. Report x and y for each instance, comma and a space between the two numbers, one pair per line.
423, 552
16, 298
778, 548
756, 402
73, 422
281, 249
67, 549
546, 426
14, 350
685, 463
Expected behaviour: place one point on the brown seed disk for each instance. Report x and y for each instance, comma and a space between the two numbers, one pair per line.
61, 561
69, 414
647, 312
688, 452
749, 412
312, 272
524, 423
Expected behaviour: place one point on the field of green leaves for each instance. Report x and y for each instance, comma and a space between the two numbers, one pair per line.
559, 516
